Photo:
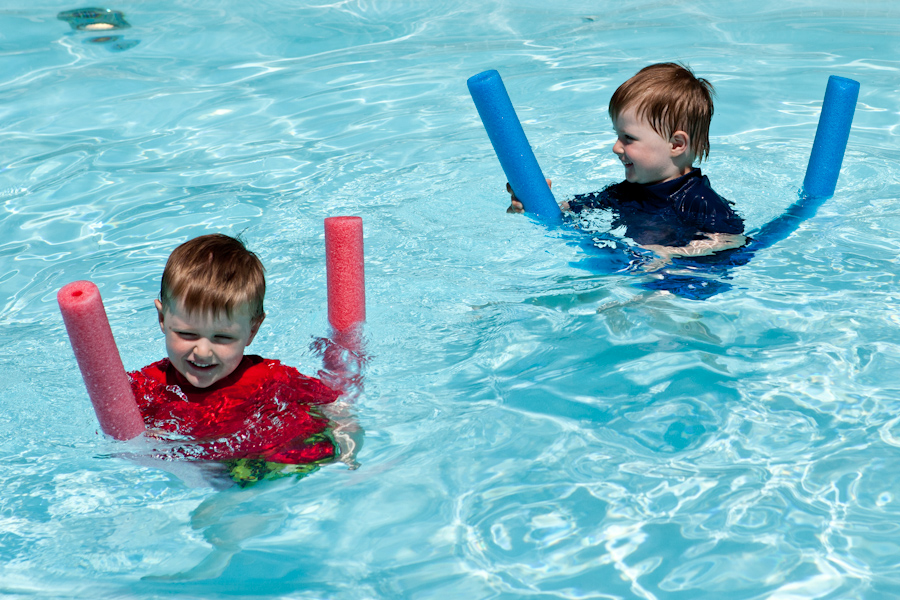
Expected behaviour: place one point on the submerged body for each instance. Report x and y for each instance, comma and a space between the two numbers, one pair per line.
671, 213
263, 411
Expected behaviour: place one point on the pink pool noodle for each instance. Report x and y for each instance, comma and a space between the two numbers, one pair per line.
344, 267
99, 360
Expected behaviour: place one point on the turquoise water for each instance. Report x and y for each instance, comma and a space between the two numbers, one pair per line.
532, 429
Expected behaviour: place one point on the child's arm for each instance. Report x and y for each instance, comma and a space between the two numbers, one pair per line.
343, 361
712, 243
346, 431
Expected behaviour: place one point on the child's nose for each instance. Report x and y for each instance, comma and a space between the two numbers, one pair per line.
618, 148
203, 349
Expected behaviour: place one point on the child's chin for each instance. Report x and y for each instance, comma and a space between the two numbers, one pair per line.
200, 382
203, 384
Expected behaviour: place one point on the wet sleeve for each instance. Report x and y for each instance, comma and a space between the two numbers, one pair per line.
303, 389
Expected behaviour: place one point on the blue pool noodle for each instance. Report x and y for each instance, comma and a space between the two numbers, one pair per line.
823, 169
831, 137
512, 148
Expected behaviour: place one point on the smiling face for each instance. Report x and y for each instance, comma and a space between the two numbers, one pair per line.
204, 347
648, 157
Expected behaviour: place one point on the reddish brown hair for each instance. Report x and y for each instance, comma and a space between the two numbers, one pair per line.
214, 273
670, 98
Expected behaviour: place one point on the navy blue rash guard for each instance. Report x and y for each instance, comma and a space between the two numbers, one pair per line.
671, 213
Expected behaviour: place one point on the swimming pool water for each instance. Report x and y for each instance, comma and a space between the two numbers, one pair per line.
533, 429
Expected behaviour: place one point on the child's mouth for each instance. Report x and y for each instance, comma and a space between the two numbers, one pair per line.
201, 367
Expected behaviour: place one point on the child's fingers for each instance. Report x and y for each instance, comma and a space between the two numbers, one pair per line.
512, 194
509, 187
515, 207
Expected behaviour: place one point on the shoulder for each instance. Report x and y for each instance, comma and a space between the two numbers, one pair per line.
698, 203
150, 388
269, 366
154, 372
697, 188
300, 387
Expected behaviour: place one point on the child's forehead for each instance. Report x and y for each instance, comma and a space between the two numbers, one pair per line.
631, 118
212, 316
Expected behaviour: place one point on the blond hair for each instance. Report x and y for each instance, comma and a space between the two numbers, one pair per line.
214, 273
670, 98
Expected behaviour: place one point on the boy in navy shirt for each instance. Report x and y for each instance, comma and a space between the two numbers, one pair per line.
661, 118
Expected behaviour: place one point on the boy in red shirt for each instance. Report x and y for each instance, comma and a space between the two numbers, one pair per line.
258, 415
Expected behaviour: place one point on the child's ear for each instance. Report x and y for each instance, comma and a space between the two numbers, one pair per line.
680, 142
254, 327
159, 312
